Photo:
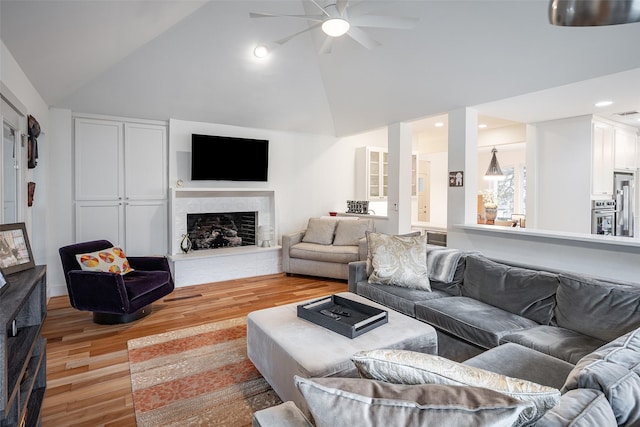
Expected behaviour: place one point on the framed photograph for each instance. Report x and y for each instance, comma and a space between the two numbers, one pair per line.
15, 250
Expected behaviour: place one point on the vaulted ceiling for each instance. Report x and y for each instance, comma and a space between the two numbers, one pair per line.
193, 60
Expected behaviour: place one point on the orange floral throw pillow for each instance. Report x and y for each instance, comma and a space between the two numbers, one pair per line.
111, 260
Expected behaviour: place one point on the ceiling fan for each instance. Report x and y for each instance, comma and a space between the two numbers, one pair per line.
340, 17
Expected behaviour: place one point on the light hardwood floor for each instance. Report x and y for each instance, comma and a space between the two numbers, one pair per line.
88, 381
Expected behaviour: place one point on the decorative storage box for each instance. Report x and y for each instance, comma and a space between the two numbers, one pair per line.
342, 315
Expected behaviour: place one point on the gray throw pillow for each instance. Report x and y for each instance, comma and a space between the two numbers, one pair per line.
369, 266
399, 261
320, 231
409, 367
348, 402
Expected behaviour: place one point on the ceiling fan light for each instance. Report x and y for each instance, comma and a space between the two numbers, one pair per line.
335, 27
261, 51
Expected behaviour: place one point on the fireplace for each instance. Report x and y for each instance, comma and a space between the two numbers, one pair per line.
222, 229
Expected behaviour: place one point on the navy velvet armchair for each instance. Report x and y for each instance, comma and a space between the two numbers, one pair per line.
112, 297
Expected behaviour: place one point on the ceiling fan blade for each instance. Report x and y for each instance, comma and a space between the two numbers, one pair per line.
379, 21
341, 5
320, 7
365, 7
268, 15
326, 45
363, 38
286, 39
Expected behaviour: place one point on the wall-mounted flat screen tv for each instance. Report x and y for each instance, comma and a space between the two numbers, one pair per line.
224, 158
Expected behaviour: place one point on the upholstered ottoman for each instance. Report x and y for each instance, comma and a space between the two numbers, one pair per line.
282, 345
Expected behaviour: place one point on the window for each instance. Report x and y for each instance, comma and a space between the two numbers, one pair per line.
510, 192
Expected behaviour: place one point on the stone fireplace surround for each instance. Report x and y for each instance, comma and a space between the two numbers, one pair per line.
220, 264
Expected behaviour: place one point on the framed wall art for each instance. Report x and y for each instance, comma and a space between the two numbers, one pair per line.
15, 250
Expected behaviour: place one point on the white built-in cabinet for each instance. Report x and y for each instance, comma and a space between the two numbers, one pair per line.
372, 173
121, 184
601, 159
625, 144
614, 147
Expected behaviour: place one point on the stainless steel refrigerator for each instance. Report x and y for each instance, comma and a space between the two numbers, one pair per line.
624, 193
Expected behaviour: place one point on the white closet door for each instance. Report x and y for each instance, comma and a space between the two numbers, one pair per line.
146, 228
145, 161
98, 156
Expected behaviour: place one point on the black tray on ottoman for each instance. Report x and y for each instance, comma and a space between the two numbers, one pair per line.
342, 315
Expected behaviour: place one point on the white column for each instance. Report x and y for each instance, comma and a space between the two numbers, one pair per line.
532, 176
399, 192
463, 156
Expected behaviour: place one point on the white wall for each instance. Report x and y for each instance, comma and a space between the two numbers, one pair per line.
563, 151
438, 186
60, 207
14, 79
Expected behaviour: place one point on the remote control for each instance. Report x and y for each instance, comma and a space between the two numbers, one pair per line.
330, 314
340, 312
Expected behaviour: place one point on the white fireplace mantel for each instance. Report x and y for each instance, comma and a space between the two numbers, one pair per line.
216, 265
204, 200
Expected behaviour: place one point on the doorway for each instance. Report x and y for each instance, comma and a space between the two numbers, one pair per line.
424, 191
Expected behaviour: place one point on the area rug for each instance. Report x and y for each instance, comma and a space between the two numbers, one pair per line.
198, 376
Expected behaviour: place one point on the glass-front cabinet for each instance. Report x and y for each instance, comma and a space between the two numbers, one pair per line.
372, 170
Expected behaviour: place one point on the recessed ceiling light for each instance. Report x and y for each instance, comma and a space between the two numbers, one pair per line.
482, 126
438, 124
603, 103
261, 51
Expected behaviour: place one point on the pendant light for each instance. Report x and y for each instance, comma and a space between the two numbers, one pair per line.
588, 13
494, 171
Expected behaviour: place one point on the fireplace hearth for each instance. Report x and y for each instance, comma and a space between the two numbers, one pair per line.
221, 230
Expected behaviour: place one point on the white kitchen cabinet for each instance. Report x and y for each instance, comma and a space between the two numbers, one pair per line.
372, 173
121, 184
625, 147
601, 159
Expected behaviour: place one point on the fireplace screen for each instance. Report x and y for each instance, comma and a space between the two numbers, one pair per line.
220, 230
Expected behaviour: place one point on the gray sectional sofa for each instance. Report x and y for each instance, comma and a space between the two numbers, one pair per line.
574, 333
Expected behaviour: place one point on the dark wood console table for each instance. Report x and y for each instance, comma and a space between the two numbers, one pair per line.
23, 307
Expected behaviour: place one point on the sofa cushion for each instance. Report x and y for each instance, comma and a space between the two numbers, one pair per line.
139, 283
528, 293
514, 360
399, 261
337, 402
580, 408
613, 369
562, 343
409, 367
327, 253
320, 231
286, 414
395, 297
350, 232
597, 307
471, 320
453, 284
